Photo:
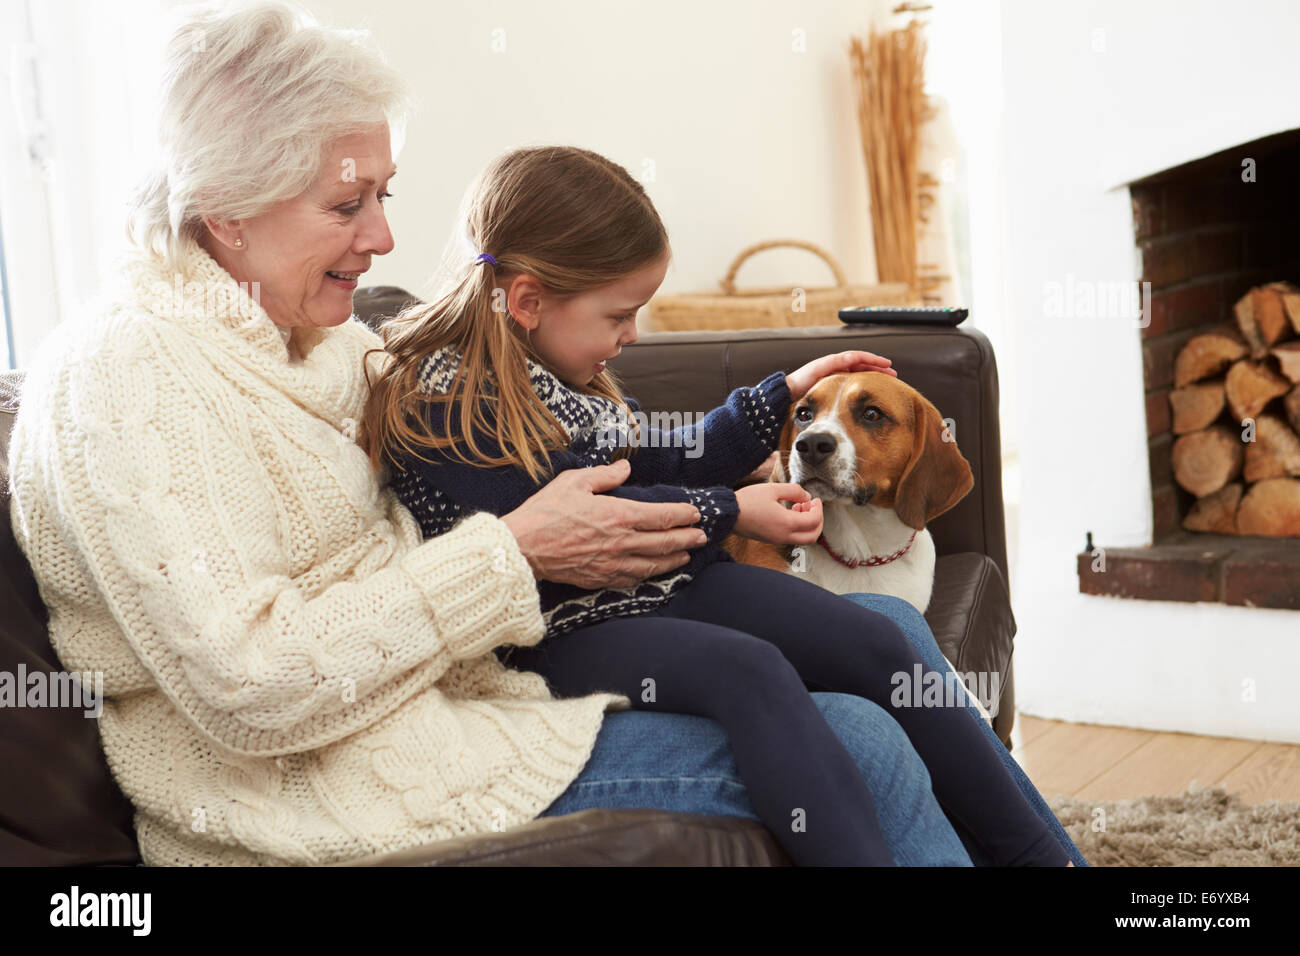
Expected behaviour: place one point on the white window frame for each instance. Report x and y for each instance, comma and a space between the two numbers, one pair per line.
78, 110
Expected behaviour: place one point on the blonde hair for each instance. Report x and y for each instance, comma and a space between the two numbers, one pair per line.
566, 216
252, 98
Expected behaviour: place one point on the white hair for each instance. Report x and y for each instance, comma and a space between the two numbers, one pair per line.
253, 96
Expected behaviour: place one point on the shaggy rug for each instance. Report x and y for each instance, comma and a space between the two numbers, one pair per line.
1205, 826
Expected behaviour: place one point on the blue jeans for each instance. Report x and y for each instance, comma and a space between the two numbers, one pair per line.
683, 763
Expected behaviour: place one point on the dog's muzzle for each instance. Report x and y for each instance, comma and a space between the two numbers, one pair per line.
825, 464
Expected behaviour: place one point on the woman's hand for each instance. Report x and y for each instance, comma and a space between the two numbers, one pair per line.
801, 380
572, 534
764, 518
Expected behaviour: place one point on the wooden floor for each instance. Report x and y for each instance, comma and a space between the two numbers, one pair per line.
1118, 763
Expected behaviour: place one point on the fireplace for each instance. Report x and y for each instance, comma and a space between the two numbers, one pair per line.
1208, 233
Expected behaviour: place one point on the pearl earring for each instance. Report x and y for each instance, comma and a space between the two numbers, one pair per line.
239, 242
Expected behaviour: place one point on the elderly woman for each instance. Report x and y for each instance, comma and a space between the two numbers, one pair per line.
292, 676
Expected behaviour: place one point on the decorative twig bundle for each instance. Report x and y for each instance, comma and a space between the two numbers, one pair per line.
892, 107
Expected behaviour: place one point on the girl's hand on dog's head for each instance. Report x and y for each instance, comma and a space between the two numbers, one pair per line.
802, 379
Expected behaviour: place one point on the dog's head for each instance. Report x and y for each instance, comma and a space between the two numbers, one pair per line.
869, 438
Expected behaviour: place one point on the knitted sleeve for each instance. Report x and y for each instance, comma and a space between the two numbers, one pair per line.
723, 447
502, 488
135, 497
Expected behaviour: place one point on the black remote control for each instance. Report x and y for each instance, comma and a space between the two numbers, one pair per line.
904, 315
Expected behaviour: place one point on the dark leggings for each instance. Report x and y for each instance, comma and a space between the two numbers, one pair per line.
744, 646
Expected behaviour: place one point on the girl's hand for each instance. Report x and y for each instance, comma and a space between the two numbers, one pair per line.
801, 380
764, 518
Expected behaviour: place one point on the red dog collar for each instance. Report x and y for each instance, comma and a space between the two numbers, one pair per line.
873, 560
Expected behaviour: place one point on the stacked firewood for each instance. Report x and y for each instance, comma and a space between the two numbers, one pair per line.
1236, 412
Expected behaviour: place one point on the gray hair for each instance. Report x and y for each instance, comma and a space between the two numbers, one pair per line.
253, 96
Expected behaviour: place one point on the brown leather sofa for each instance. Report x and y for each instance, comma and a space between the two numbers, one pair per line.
59, 804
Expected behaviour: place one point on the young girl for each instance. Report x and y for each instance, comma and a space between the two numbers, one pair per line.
501, 384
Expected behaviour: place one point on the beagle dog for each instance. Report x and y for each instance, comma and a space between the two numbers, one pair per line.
879, 456
882, 460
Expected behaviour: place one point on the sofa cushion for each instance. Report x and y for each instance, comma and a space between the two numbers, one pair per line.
373, 304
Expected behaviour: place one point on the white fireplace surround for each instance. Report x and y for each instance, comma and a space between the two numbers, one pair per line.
1097, 95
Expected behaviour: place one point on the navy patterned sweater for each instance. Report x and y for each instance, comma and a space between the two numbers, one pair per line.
696, 463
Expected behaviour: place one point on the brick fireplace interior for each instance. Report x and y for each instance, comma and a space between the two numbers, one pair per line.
1205, 237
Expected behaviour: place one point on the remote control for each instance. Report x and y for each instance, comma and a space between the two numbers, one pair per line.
904, 315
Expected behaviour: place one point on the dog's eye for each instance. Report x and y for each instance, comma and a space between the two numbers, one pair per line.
803, 415
872, 413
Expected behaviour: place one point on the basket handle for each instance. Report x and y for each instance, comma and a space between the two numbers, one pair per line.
729, 282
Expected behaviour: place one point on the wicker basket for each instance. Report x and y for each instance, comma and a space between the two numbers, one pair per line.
773, 306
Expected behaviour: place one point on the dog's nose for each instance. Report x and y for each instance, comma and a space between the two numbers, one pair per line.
815, 447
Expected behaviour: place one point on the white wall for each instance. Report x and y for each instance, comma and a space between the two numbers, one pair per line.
748, 138
1165, 81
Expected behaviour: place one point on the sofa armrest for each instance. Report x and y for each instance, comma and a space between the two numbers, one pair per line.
970, 615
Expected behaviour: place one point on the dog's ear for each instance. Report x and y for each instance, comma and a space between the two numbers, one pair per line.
937, 476
782, 466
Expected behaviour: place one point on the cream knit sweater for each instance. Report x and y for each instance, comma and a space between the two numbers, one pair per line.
291, 675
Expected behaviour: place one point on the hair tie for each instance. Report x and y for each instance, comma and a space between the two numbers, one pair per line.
484, 257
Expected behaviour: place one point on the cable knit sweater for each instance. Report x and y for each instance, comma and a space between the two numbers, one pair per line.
696, 464
291, 675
